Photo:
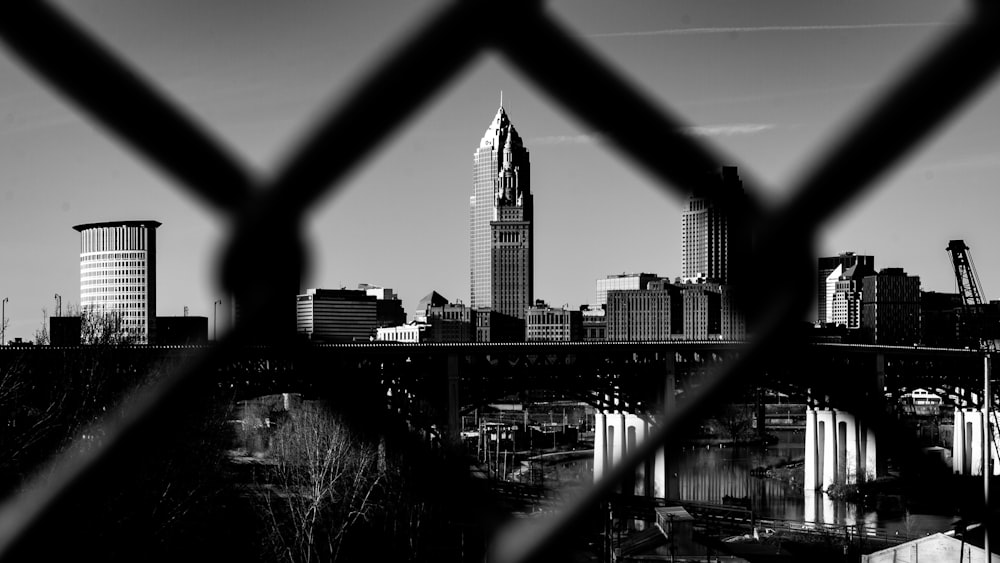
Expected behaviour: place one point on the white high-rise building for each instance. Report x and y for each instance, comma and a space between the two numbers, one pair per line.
118, 276
831, 289
709, 242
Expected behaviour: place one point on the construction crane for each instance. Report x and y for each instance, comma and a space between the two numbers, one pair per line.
970, 290
975, 319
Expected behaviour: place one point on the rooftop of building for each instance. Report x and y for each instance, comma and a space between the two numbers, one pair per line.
111, 224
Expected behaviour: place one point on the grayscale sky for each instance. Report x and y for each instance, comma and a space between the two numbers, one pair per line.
767, 82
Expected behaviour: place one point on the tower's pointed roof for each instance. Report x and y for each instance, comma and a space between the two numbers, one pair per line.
498, 131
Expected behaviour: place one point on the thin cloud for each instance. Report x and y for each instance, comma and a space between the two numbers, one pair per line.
722, 130
768, 28
582, 139
727, 130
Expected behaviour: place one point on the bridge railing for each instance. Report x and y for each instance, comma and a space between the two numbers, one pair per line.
266, 214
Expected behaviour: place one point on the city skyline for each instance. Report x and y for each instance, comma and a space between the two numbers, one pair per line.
258, 75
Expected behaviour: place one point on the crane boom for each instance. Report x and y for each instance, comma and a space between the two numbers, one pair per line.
970, 290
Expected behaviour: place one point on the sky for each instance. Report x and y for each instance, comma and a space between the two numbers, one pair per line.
767, 83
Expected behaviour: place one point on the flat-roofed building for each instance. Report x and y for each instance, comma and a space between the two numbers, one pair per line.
620, 282
412, 333
890, 307
652, 313
336, 315
553, 324
595, 323
702, 312
118, 279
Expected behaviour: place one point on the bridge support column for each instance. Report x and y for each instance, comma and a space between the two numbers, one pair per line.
810, 461
600, 445
665, 481
454, 401
641, 429
850, 446
958, 464
827, 435
670, 384
974, 421
616, 437
870, 454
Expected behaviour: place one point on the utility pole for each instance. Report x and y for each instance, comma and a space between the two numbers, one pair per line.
987, 441
215, 315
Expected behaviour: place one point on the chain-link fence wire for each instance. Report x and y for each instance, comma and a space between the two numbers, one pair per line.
267, 215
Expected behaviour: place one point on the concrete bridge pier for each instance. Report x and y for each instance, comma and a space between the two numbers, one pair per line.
967, 443
809, 466
826, 421
600, 445
618, 434
839, 450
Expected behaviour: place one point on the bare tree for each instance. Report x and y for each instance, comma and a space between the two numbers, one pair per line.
736, 419
42, 334
103, 326
323, 480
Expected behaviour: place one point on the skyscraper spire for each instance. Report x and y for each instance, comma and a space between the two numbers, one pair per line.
501, 98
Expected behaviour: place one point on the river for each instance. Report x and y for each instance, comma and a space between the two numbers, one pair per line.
706, 474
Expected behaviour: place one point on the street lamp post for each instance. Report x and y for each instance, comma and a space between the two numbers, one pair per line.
215, 315
3, 321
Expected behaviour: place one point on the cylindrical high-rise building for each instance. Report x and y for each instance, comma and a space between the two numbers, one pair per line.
118, 277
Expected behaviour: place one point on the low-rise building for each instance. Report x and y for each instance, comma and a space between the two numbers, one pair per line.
595, 323
445, 322
550, 324
411, 333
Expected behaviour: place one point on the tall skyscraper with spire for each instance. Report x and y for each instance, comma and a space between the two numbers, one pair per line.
501, 224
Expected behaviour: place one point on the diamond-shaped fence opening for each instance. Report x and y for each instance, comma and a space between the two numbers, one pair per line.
267, 217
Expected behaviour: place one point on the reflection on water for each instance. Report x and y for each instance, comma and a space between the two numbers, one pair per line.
707, 474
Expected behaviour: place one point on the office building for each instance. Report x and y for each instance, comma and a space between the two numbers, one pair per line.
732, 322
501, 231
336, 315
835, 266
654, 312
553, 324
388, 307
711, 240
118, 279
595, 324
620, 282
844, 302
444, 321
890, 307
702, 306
